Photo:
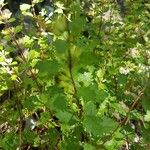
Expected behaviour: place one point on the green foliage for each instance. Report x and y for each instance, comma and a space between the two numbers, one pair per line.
76, 77
61, 46
98, 126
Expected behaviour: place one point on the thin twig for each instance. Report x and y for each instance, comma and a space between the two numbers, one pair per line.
126, 119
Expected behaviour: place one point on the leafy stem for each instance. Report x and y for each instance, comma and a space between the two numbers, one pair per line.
24, 59
70, 64
73, 82
19, 105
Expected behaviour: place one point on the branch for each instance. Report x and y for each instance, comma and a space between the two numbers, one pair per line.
19, 105
73, 83
126, 119
70, 63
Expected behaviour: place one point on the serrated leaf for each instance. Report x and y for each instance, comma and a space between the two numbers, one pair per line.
92, 93
98, 126
59, 25
92, 125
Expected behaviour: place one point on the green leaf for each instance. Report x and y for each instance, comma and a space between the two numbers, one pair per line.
122, 79
45, 117
92, 125
146, 135
89, 147
146, 100
31, 103
29, 136
60, 102
84, 59
47, 67
64, 116
77, 26
61, 46
98, 126
87, 93
33, 54
12, 20
9, 141
90, 109
54, 135
92, 93
18, 29
147, 116
108, 124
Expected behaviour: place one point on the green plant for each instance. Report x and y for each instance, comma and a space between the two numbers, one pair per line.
77, 78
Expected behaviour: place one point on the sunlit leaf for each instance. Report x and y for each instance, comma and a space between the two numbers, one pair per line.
25, 7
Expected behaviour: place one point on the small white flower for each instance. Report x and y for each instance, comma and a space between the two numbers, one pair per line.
106, 15
6, 14
143, 68
136, 139
3, 63
9, 71
1, 3
8, 61
133, 52
124, 71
